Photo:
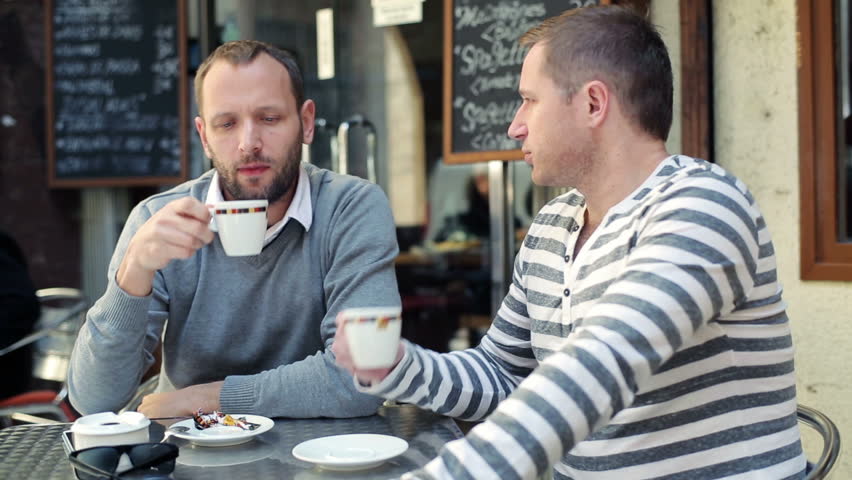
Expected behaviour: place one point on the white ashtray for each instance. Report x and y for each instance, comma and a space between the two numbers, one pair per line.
107, 428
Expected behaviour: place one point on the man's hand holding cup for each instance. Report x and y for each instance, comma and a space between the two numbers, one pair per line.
175, 232
367, 342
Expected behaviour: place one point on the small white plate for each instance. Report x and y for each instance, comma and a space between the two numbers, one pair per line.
220, 435
350, 452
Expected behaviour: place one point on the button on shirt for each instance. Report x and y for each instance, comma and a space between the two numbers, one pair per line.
300, 208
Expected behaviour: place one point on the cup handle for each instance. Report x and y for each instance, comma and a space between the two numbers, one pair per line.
212, 223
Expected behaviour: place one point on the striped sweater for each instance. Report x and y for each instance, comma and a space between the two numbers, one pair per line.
662, 351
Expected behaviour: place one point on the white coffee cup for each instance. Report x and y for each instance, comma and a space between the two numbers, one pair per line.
372, 334
241, 225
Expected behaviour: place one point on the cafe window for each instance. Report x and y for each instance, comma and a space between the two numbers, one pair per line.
825, 122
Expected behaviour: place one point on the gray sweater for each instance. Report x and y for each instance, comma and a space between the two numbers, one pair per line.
264, 323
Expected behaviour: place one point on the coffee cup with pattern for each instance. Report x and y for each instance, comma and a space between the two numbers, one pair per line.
372, 335
241, 225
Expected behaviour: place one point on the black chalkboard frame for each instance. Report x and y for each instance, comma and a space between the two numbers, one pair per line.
451, 156
56, 181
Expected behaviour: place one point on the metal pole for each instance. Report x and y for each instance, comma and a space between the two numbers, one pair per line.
501, 256
207, 27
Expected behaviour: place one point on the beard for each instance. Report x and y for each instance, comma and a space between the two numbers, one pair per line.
286, 175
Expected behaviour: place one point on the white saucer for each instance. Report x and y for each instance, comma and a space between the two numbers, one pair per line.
350, 452
220, 435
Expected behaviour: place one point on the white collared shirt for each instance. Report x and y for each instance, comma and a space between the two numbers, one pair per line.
300, 208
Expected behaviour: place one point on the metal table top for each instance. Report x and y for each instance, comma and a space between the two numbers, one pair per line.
36, 451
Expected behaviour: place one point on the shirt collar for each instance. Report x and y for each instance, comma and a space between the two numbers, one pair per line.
300, 208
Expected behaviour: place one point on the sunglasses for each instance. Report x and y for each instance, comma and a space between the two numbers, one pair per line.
98, 463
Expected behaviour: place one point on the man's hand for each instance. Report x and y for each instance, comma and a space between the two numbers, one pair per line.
175, 232
185, 401
343, 358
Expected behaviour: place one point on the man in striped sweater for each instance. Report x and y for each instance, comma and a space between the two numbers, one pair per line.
644, 334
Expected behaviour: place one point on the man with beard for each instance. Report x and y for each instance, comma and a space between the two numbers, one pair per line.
241, 334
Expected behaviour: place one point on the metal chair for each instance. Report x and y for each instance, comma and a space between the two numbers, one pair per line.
830, 440
62, 314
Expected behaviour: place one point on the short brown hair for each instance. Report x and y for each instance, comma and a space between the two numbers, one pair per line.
244, 51
618, 46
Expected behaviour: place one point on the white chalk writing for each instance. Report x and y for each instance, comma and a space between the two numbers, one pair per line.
486, 141
472, 16
115, 80
166, 64
487, 61
491, 114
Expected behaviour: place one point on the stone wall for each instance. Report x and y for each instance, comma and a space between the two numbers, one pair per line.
756, 127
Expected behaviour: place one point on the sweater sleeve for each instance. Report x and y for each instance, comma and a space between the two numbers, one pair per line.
116, 344
693, 260
358, 257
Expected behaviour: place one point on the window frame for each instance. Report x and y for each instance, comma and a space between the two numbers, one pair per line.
696, 72
823, 256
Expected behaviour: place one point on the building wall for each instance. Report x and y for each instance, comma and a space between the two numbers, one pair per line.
756, 137
44, 222
666, 16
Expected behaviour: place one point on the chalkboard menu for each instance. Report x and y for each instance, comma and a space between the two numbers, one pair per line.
482, 68
116, 90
